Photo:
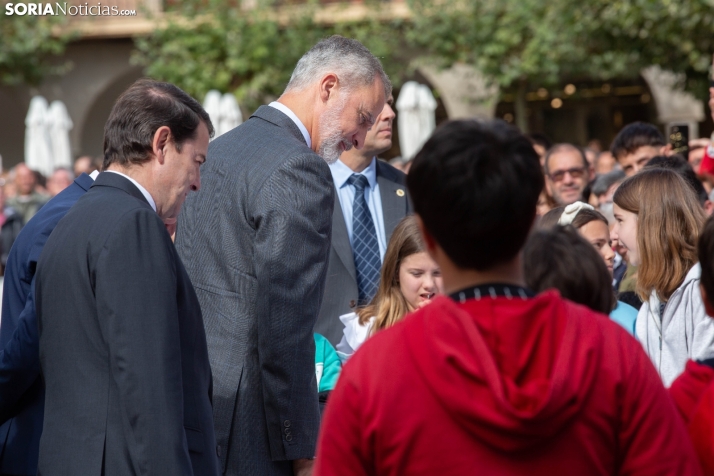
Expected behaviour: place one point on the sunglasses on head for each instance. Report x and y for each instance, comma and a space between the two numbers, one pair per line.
559, 175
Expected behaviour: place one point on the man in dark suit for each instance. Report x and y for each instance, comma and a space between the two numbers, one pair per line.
22, 393
122, 346
386, 200
255, 242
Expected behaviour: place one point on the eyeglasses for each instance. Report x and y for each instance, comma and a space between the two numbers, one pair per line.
559, 175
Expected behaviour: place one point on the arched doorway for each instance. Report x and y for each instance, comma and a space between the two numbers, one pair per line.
92, 133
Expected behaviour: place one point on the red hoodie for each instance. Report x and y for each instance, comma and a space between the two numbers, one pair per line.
693, 393
502, 386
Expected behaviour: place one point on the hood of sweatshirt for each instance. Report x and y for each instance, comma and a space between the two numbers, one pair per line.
512, 372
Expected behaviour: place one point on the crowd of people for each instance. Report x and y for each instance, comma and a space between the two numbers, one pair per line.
24, 191
285, 303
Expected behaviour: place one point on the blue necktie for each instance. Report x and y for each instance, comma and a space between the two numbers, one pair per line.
364, 242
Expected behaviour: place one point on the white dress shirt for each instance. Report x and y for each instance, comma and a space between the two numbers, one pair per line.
143, 191
346, 194
286, 110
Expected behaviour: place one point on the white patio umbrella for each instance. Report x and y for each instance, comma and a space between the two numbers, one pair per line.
38, 155
60, 124
416, 121
212, 105
230, 115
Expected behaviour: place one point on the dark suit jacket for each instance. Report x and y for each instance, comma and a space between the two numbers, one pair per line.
22, 393
341, 286
122, 347
255, 241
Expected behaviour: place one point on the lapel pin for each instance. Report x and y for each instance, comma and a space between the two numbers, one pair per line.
400, 192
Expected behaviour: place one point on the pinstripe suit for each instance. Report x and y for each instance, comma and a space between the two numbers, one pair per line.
255, 242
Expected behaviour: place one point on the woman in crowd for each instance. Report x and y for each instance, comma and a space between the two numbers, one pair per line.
593, 226
409, 280
658, 220
549, 258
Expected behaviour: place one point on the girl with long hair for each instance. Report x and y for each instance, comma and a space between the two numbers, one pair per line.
409, 280
594, 228
659, 220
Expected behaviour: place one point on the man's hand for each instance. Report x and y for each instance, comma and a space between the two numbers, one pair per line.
303, 467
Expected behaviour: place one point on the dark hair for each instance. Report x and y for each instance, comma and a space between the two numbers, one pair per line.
475, 186
537, 138
633, 136
680, 165
583, 217
706, 258
138, 114
561, 147
560, 258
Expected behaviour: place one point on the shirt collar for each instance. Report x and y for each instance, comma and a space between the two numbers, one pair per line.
143, 191
286, 110
340, 173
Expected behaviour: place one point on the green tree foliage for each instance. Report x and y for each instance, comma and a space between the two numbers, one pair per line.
517, 42
247, 52
28, 45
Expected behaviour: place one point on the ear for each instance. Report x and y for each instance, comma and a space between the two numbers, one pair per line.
162, 137
709, 207
328, 86
548, 187
666, 150
707, 304
591, 173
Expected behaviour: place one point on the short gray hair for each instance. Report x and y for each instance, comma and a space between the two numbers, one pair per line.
349, 59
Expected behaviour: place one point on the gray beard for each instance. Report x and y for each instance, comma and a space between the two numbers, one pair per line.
330, 146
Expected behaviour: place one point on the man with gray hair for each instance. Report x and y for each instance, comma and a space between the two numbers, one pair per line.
255, 242
567, 172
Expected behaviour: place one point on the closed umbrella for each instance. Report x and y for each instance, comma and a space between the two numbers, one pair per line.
59, 126
212, 105
38, 155
416, 121
230, 115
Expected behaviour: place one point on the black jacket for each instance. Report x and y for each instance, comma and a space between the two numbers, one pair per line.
122, 346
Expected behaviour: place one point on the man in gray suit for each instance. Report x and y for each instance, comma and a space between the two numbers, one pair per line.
255, 242
387, 202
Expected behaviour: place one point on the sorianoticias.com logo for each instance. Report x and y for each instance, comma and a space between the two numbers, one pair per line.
55, 9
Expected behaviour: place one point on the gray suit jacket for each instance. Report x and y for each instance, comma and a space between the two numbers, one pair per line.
255, 241
341, 285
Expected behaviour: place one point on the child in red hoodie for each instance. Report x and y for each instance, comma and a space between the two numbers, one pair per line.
693, 391
492, 379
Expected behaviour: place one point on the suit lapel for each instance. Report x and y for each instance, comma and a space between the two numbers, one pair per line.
274, 116
341, 240
394, 202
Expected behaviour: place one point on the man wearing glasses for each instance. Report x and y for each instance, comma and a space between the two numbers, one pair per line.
567, 172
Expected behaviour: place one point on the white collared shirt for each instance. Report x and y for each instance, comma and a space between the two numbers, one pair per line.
346, 194
286, 110
143, 191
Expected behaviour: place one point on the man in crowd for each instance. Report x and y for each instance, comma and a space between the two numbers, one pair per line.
84, 165
27, 199
635, 145
122, 344
22, 394
370, 200
60, 179
256, 242
567, 173
11, 224
492, 376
